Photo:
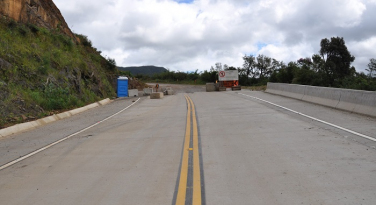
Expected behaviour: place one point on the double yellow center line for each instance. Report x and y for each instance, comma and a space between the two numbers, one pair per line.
191, 144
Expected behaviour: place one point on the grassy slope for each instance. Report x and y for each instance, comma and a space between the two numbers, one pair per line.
43, 71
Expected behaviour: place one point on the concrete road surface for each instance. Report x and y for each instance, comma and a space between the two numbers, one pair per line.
251, 152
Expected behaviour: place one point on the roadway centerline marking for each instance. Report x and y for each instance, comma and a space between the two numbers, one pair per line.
185, 194
182, 190
196, 160
61, 140
312, 118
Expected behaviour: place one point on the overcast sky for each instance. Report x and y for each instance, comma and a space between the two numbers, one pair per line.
185, 35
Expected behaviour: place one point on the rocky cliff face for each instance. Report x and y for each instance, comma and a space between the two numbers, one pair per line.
42, 13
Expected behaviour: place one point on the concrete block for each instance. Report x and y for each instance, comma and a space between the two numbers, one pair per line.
35, 123
63, 115
210, 87
77, 110
170, 92
236, 88
93, 105
6, 131
47, 120
158, 95
105, 101
133, 93
148, 91
222, 89
141, 93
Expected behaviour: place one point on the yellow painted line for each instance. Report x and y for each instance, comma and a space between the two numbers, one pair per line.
196, 161
180, 199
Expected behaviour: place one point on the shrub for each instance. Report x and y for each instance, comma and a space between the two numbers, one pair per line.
12, 24
84, 40
22, 30
34, 29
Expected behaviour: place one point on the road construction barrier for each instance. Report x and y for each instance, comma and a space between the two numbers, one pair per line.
356, 101
158, 95
210, 87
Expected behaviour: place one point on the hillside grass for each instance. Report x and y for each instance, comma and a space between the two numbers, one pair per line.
46, 71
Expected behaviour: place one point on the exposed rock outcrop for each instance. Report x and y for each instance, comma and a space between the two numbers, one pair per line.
42, 13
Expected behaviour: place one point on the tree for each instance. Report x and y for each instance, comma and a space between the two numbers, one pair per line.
225, 67
337, 59
209, 76
372, 68
249, 65
263, 66
218, 66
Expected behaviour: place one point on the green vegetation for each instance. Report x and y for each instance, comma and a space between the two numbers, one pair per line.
330, 68
177, 77
42, 71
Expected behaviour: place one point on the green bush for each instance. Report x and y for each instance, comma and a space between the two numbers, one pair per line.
34, 29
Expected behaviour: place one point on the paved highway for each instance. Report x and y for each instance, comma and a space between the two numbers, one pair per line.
200, 148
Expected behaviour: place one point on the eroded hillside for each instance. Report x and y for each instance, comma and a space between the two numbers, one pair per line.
44, 67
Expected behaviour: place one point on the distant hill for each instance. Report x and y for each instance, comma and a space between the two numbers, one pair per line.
144, 70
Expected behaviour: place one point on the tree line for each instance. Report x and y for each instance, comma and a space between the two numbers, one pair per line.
331, 67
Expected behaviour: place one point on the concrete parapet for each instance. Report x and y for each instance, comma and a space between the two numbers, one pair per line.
357, 101
158, 95
322, 96
133, 93
363, 102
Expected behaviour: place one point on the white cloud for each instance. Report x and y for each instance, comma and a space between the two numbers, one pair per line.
197, 34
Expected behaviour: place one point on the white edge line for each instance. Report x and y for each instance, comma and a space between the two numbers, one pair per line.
312, 118
61, 140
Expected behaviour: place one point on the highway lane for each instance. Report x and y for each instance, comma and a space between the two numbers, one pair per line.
251, 153
131, 159
254, 153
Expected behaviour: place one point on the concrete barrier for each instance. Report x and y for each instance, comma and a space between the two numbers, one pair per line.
323, 96
363, 102
148, 91
133, 93
30, 125
210, 87
357, 101
158, 95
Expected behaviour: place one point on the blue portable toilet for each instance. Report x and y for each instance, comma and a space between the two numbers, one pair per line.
122, 87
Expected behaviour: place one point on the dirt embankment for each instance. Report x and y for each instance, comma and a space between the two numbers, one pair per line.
42, 13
